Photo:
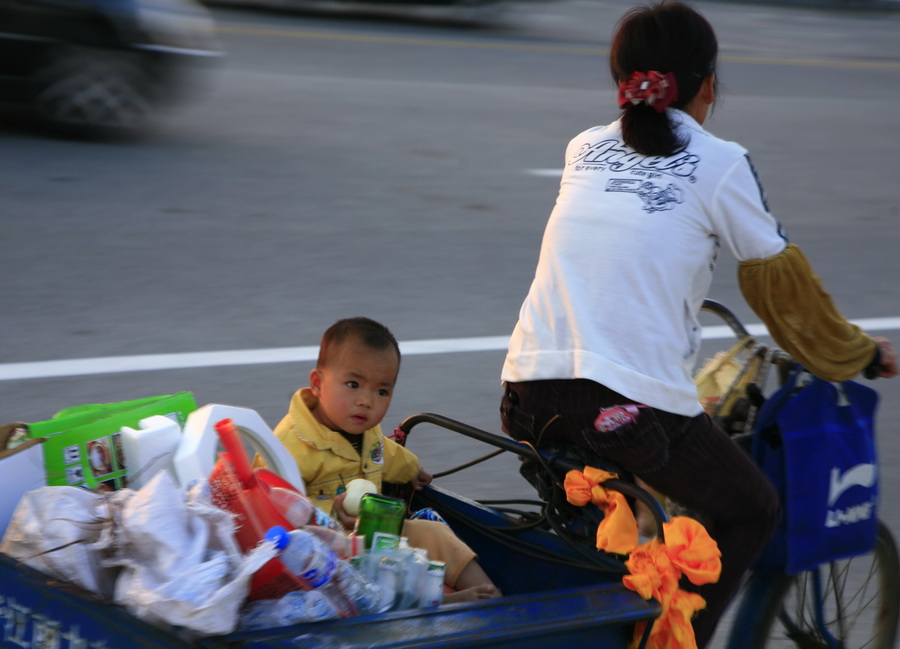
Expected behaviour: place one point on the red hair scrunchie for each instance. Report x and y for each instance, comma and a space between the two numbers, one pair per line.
653, 88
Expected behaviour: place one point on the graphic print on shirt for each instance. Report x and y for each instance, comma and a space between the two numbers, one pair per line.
653, 179
656, 198
377, 453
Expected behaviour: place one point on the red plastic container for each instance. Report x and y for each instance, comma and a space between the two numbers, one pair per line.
236, 488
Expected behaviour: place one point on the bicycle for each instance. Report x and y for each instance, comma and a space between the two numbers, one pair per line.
846, 604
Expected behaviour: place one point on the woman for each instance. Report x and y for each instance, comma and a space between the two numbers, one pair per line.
611, 318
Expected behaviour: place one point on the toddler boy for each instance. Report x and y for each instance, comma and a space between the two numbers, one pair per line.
333, 430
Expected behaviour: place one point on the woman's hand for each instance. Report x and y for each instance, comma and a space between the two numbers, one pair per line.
887, 359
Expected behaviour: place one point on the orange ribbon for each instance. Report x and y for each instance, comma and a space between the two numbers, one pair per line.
655, 568
618, 531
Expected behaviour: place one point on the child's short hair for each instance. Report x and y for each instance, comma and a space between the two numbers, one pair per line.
372, 334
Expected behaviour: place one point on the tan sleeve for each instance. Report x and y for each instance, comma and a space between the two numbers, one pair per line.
788, 297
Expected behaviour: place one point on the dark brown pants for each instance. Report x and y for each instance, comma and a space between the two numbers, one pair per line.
689, 459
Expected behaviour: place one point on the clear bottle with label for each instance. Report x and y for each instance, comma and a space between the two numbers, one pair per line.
388, 575
433, 585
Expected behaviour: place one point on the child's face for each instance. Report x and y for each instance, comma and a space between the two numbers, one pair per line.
355, 388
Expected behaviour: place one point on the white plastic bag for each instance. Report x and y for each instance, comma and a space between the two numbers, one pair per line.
180, 562
63, 532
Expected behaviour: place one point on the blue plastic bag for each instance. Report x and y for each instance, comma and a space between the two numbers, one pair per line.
815, 441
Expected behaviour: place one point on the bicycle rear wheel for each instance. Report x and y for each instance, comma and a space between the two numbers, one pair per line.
848, 604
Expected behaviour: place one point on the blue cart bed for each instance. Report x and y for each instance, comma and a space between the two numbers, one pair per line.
546, 604
553, 597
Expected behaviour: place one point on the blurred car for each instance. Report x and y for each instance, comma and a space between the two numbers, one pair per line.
102, 67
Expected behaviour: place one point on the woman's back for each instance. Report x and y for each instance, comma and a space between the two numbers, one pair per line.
628, 256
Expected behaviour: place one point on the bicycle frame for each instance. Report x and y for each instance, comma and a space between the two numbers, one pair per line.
756, 603
524, 450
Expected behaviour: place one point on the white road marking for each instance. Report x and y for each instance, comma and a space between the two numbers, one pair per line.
190, 360
545, 173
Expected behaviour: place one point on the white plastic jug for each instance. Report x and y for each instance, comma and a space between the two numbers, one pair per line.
149, 448
197, 452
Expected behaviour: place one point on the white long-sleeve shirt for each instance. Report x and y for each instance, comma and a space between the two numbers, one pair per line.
627, 260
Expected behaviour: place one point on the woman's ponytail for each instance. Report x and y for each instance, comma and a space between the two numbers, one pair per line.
671, 41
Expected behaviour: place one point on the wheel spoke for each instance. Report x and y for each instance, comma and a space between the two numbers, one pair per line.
859, 607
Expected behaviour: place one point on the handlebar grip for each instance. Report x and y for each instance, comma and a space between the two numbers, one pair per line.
872, 371
875, 367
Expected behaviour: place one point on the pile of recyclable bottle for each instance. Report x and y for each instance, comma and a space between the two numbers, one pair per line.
371, 571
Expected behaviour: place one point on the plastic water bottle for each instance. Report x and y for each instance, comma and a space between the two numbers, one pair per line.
343, 545
304, 555
322, 519
299, 511
365, 594
295, 507
413, 568
294, 608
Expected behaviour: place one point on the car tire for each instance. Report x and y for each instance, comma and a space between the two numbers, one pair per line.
93, 92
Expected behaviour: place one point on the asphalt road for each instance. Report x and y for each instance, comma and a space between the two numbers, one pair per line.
338, 164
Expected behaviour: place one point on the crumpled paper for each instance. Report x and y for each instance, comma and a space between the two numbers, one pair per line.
180, 562
166, 556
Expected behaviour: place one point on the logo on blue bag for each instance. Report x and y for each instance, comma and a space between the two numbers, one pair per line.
861, 475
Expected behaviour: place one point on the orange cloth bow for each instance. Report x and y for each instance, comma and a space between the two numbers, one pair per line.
617, 532
655, 568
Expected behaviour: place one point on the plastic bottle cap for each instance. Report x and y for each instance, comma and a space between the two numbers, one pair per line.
279, 536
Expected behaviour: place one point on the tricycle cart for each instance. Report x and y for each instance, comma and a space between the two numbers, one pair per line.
558, 590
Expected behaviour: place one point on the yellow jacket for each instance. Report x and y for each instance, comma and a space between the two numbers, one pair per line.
328, 462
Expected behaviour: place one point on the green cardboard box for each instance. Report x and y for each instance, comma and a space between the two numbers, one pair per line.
82, 445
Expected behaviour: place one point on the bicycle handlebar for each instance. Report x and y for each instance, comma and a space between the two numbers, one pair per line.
726, 314
873, 371
779, 357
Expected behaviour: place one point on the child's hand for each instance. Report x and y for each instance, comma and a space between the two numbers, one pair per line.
421, 480
347, 521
